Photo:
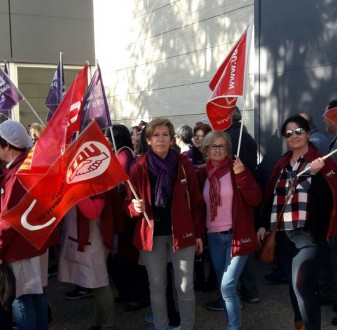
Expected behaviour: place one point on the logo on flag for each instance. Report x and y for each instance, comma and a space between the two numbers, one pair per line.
88, 167
9, 95
92, 160
228, 84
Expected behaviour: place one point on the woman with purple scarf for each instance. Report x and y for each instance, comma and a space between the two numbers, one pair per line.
169, 193
230, 192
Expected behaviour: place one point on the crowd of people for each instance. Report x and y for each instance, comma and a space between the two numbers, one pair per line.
198, 197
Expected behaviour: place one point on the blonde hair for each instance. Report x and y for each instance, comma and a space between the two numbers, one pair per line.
160, 121
35, 130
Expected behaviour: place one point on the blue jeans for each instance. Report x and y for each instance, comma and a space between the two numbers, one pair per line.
31, 312
228, 271
155, 262
297, 254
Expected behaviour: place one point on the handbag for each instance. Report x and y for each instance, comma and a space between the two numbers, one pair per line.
7, 286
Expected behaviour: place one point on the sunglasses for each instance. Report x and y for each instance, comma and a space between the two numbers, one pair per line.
298, 131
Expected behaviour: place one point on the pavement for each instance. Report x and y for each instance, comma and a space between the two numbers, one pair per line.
273, 312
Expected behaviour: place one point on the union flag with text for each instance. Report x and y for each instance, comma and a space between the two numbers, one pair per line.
54, 139
88, 167
228, 84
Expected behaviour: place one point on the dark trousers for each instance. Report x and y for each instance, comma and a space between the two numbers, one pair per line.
298, 259
5, 319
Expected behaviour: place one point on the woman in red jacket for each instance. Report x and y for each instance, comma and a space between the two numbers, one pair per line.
169, 194
230, 193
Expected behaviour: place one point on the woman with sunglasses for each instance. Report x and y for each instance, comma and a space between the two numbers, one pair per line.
230, 193
304, 209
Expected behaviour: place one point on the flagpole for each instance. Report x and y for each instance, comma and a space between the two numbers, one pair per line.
324, 157
113, 139
136, 196
61, 74
35, 113
240, 135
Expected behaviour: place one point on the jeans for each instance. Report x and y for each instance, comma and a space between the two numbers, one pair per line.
156, 264
297, 254
31, 312
228, 270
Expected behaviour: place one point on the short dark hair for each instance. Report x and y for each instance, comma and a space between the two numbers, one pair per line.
186, 133
121, 136
332, 104
298, 120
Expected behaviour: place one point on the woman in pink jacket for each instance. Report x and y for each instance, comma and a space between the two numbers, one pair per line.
230, 193
169, 194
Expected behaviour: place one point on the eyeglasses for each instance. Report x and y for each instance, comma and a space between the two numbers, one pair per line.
217, 147
298, 131
198, 136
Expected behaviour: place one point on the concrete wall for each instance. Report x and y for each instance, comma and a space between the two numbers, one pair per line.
35, 31
162, 54
295, 64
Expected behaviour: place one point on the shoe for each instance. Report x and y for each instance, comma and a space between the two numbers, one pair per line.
149, 318
217, 305
253, 300
78, 293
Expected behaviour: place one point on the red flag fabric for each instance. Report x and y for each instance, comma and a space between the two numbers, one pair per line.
88, 167
53, 140
331, 114
228, 84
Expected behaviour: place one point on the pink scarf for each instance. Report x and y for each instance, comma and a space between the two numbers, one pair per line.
214, 174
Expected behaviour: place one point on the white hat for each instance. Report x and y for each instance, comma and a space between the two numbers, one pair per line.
15, 134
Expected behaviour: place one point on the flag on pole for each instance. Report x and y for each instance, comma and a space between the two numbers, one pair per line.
9, 95
88, 167
57, 90
57, 134
6, 70
229, 83
95, 103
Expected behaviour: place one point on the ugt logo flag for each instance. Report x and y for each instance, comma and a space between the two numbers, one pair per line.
228, 84
88, 167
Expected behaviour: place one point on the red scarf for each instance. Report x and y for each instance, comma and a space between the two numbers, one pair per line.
214, 174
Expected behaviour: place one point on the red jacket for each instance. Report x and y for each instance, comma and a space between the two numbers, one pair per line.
187, 225
246, 195
13, 246
322, 221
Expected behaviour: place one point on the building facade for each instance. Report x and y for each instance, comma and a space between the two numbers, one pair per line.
158, 56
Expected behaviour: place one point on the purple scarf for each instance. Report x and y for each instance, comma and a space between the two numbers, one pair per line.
164, 170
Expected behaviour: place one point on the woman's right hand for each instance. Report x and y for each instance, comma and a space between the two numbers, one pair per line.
139, 205
261, 233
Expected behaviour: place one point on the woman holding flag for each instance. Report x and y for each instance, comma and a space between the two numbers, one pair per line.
169, 194
230, 193
303, 204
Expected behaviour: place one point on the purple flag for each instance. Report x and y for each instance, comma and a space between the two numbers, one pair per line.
95, 103
56, 92
9, 95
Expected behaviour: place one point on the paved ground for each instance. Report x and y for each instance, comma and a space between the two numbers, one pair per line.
273, 312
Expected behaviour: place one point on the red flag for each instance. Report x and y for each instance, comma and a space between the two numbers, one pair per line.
228, 84
88, 167
56, 135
